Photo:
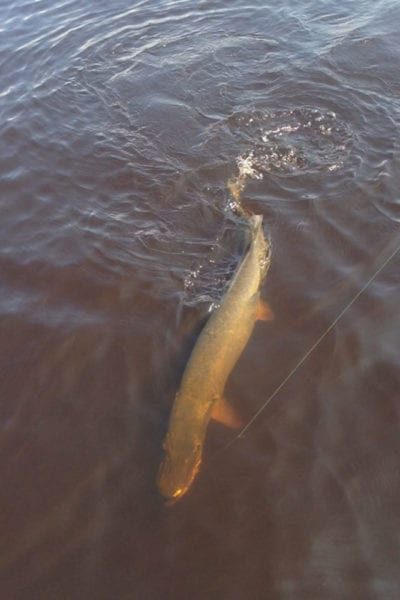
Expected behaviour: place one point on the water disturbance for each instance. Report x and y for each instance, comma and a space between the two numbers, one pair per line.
121, 126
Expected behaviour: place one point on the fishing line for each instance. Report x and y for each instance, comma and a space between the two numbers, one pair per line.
315, 345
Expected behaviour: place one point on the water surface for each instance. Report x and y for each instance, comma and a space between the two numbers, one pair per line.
120, 124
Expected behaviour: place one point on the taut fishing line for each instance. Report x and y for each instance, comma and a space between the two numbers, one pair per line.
316, 343
236, 187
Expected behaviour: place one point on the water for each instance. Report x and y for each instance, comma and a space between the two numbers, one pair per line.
120, 124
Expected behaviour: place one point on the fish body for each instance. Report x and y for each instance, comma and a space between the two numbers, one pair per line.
216, 352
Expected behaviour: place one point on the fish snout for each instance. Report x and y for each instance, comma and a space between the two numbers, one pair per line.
176, 474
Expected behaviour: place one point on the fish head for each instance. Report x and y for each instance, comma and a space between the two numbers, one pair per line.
178, 469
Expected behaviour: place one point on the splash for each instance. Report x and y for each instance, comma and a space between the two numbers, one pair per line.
236, 185
288, 142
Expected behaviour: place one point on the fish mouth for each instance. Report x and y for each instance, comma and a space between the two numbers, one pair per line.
166, 482
167, 489
175, 477
171, 500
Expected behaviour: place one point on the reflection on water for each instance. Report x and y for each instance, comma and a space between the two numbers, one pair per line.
289, 141
120, 127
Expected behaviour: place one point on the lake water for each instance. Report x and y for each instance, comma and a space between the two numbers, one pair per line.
120, 124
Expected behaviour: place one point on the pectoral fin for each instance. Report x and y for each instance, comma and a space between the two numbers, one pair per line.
225, 414
264, 311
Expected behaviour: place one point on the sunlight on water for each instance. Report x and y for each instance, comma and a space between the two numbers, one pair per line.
288, 141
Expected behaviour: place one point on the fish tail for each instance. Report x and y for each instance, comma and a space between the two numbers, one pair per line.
236, 186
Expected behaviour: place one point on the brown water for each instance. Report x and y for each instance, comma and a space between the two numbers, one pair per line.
120, 125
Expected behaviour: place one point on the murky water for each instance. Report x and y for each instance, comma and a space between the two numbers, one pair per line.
120, 124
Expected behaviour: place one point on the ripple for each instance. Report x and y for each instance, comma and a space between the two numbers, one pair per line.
292, 141
120, 124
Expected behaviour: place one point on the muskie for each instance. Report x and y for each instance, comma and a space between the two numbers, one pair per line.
217, 350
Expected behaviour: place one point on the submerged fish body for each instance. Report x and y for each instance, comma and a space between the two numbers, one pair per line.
216, 352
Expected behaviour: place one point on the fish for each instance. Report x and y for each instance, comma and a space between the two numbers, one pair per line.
217, 349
